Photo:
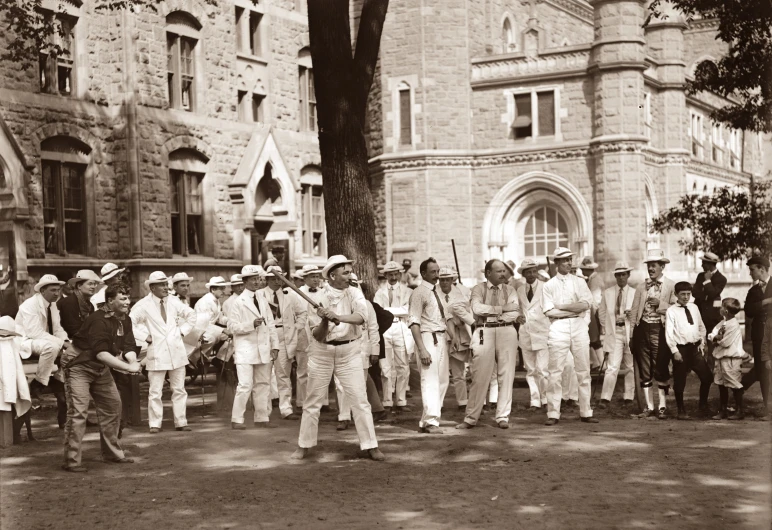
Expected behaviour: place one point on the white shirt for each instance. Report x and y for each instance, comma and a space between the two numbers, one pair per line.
677, 327
349, 301
565, 289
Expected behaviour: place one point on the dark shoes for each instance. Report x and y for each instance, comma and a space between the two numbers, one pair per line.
590, 420
342, 425
430, 429
662, 414
238, 426
292, 416
604, 404
403, 408
376, 454
155, 430
737, 416
119, 460
551, 421
722, 415
264, 425
183, 429
683, 416
380, 416
464, 425
75, 469
503, 425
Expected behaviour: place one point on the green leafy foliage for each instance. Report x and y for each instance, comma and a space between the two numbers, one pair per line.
731, 222
744, 73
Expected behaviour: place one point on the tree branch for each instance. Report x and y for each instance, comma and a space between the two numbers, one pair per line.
366, 54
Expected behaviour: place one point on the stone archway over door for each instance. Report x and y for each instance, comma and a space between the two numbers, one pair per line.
549, 207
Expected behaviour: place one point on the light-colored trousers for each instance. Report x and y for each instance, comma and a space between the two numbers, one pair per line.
283, 368
47, 353
458, 378
620, 355
345, 361
301, 381
395, 370
254, 380
535, 362
569, 383
498, 351
493, 389
568, 337
434, 378
155, 407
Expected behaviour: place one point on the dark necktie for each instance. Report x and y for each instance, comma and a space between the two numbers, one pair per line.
495, 290
447, 298
312, 289
163, 310
391, 296
652, 283
530, 292
439, 304
277, 311
619, 302
257, 306
688, 315
50, 320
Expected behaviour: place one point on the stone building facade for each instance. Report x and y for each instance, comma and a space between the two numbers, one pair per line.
176, 139
512, 126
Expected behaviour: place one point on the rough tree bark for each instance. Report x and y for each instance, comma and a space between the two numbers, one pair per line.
342, 82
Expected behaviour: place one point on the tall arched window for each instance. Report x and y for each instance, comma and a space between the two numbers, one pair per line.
306, 91
187, 168
545, 229
182, 38
508, 41
63, 165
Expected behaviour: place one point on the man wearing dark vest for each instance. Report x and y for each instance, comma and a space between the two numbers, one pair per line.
757, 308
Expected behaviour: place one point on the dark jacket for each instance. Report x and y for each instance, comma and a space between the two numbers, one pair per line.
705, 294
755, 311
101, 333
71, 315
385, 319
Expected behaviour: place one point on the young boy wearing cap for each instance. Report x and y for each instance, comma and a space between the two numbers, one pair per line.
614, 318
685, 336
729, 355
74, 309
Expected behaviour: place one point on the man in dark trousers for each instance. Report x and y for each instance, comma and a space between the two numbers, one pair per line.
757, 308
707, 291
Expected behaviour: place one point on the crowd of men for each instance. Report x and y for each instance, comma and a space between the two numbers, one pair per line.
321, 328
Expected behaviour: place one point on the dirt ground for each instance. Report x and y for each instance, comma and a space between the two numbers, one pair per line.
620, 473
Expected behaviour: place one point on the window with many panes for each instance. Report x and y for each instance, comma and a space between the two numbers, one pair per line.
56, 70
306, 94
182, 37
534, 114
544, 230
63, 170
187, 211
735, 149
314, 239
405, 115
717, 143
697, 134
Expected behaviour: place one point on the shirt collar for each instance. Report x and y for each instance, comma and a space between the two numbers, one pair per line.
562, 277
46, 303
427, 285
156, 299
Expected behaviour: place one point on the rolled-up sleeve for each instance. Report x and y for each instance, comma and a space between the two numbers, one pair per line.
478, 307
416, 306
547, 298
511, 316
358, 304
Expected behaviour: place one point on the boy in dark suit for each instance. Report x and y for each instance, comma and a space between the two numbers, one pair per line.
757, 307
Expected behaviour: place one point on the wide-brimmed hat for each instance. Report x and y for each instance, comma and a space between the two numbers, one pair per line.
110, 270
251, 270
588, 263
84, 275
392, 266
181, 277
47, 279
8, 327
579, 274
236, 279
156, 277
710, 257
622, 266
561, 253
527, 264
510, 265
447, 272
353, 278
334, 261
273, 271
216, 281
309, 269
543, 275
656, 254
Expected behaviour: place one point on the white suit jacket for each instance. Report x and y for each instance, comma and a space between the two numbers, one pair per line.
32, 323
400, 299
533, 334
607, 318
252, 345
167, 350
208, 313
294, 315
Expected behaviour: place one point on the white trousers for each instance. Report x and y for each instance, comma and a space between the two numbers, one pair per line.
568, 337
345, 362
535, 362
620, 355
568, 381
301, 357
458, 378
496, 357
282, 367
493, 389
155, 407
254, 380
434, 378
47, 353
395, 370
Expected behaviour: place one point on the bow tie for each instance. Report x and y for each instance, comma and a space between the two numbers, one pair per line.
652, 283
312, 289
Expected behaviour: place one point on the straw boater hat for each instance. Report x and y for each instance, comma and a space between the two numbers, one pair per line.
216, 281
561, 253
47, 279
156, 277
251, 270
392, 266
334, 261
309, 269
181, 277
236, 279
8, 327
353, 278
622, 266
656, 254
709, 257
84, 275
588, 263
543, 275
527, 264
109, 270
273, 271
447, 272
510, 265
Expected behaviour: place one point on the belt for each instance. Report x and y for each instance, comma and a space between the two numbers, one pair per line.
278, 325
620, 325
497, 325
689, 344
563, 318
339, 342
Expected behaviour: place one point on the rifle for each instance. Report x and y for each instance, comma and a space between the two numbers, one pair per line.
455, 258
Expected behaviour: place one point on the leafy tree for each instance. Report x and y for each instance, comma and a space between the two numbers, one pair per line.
731, 222
745, 72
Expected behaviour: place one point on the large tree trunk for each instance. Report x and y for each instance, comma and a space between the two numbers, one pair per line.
342, 81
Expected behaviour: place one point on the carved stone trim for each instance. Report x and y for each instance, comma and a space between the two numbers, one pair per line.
578, 8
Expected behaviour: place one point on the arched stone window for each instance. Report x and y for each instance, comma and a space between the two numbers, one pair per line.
187, 170
306, 92
182, 48
63, 168
3, 179
508, 39
57, 58
544, 230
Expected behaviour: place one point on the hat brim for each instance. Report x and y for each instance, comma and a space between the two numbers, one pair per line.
148, 283
562, 256
656, 260
384, 271
178, 280
709, 260
39, 286
588, 266
327, 268
210, 285
112, 274
620, 271
520, 270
